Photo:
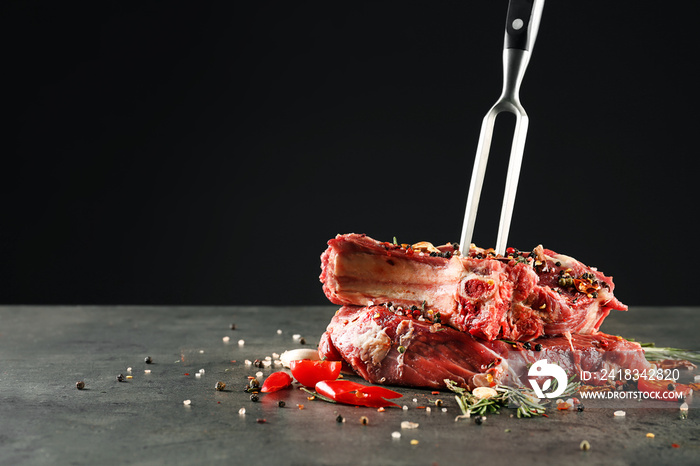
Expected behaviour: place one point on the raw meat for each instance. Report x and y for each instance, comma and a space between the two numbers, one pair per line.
386, 345
522, 296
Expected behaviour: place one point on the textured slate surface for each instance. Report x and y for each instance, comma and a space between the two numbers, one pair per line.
44, 419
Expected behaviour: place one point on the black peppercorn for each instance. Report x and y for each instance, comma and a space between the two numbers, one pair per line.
254, 397
579, 408
302, 341
281, 403
538, 347
339, 418
232, 326
148, 360
671, 387
120, 378
80, 385
220, 386
478, 421
527, 345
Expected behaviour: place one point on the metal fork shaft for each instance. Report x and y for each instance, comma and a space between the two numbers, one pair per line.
516, 56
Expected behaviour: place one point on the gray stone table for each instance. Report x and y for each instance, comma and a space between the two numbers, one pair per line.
44, 419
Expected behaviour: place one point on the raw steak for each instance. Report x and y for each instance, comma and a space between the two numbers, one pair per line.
385, 345
522, 296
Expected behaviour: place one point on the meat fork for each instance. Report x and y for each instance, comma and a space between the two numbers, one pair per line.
522, 24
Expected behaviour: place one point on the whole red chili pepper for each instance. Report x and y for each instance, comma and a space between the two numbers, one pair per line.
353, 393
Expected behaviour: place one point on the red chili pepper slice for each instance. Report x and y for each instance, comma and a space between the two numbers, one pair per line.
276, 381
659, 389
353, 393
309, 373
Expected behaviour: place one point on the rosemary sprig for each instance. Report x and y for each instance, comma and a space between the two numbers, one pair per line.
317, 395
654, 353
523, 399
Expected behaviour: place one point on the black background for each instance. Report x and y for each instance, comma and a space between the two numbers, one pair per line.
181, 154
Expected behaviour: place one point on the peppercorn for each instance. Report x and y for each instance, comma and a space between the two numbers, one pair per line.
253, 384
220, 386
339, 418
401, 349
258, 363
478, 421
120, 378
302, 341
364, 420
580, 408
148, 360
254, 397
281, 403
232, 326
671, 387
80, 385
438, 403
527, 345
538, 347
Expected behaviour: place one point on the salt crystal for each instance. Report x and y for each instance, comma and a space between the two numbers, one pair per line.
415, 400
258, 374
427, 409
241, 342
370, 303
444, 410
619, 413
278, 362
279, 332
248, 362
296, 337
198, 375
201, 351
409, 425
268, 358
187, 402
241, 411
201, 371
226, 339
267, 363
405, 408
684, 407
275, 355
147, 371
697, 378
396, 435
128, 369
